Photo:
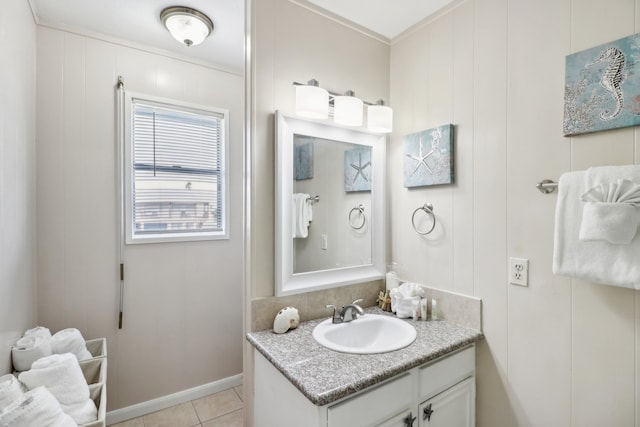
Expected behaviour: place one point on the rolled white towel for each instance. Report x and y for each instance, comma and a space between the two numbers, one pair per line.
70, 340
408, 290
39, 331
37, 407
29, 349
10, 390
404, 307
62, 375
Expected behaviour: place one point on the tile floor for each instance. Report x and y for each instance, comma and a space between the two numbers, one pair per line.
222, 409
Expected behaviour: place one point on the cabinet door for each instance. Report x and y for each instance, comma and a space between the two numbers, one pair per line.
406, 418
454, 407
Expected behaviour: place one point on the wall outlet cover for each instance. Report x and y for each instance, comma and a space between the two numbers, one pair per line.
519, 271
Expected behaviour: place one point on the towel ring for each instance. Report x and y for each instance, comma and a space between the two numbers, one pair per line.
428, 209
359, 209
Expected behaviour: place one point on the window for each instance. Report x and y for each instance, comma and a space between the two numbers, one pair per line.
175, 171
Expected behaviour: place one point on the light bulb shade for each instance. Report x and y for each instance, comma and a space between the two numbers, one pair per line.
312, 102
348, 110
380, 118
186, 25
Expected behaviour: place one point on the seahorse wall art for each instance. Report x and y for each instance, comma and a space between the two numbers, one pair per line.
612, 78
602, 87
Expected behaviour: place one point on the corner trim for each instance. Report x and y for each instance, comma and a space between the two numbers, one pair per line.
144, 408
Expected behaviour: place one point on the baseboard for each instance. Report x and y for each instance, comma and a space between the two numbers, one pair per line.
140, 409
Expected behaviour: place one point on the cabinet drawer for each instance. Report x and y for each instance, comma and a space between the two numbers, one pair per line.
444, 373
373, 406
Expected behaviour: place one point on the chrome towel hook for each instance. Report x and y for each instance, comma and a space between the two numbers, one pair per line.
360, 210
428, 209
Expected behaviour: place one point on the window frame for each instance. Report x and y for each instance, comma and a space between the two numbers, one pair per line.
128, 171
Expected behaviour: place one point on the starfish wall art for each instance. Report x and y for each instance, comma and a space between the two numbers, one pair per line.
428, 157
357, 169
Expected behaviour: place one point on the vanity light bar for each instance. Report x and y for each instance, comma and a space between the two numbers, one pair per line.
313, 101
332, 95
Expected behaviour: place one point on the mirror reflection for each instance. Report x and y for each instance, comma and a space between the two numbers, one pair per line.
331, 204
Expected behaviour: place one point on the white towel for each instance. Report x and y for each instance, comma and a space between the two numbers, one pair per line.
70, 341
403, 296
594, 261
29, 349
301, 215
616, 223
620, 191
39, 331
62, 375
10, 390
38, 408
404, 307
611, 212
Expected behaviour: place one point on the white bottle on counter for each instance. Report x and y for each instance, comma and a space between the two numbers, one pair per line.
415, 309
434, 310
391, 280
423, 309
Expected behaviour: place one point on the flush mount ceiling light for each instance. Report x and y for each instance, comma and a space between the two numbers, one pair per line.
188, 26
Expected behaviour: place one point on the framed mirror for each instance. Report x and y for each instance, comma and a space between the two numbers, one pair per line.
329, 205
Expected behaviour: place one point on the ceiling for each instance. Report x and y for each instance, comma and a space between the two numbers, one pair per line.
388, 18
138, 21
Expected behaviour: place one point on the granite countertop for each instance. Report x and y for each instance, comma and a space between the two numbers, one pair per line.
325, 376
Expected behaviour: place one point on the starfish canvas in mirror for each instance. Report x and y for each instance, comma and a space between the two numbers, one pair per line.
357, 169
302, 159
602, 87
428, 157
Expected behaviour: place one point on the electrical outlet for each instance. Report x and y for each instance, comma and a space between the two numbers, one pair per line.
519, 271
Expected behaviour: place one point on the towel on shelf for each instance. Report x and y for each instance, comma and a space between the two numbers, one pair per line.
10, 390
62, 376
39, 331
27, 350
594, 261
70, 340
37, 407
301, 215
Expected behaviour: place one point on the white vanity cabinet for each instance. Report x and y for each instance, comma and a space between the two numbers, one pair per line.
438, 393
447, 391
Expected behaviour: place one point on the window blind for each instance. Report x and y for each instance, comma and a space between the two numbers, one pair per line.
177, 170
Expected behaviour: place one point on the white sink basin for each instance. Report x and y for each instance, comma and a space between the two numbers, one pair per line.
368, 334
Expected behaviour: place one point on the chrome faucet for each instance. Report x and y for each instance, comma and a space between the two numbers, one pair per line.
348, 313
